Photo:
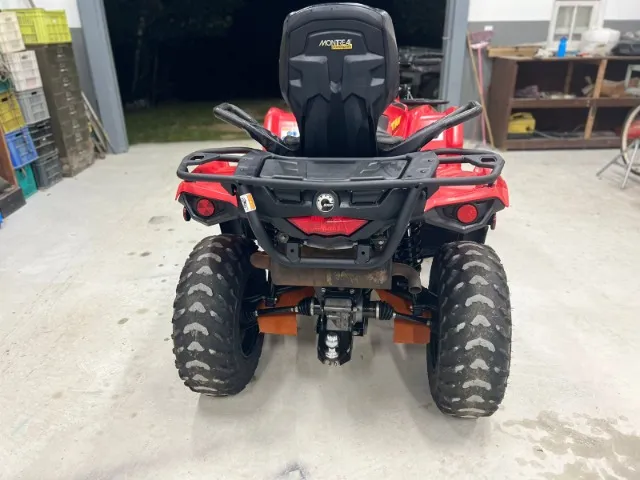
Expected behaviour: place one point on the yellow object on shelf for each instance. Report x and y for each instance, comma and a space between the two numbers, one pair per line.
522, 124
40, 27
11, 117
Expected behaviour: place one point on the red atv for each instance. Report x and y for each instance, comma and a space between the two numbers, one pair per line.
334, 224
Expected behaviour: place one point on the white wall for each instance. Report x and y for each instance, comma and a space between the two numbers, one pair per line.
70, 6
622, 10
541, 10
512, 10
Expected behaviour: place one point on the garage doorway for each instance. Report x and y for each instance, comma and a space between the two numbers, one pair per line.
173, 64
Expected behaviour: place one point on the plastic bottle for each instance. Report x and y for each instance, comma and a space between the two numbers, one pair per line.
562, 48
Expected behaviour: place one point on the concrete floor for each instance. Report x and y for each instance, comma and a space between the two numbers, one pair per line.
88, 389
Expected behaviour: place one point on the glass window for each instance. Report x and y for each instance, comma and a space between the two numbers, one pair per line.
571, 18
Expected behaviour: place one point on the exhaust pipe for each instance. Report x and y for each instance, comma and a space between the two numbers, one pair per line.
377, 278
321, 277
411, 274
261, 261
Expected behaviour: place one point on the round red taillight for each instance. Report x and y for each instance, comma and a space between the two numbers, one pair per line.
205, 208
467, 214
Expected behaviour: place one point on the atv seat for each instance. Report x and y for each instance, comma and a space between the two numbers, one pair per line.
338, 73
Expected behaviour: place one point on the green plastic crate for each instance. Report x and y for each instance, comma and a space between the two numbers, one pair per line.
27, 181
40, 26
5, 85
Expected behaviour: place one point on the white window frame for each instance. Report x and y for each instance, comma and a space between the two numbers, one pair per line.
597, 20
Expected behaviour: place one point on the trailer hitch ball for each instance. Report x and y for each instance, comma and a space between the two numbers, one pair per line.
332, 340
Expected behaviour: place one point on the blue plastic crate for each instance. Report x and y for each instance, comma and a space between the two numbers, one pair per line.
21, 147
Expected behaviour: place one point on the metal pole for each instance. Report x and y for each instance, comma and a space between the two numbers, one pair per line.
632, 160
454, 43
611, 162
103, 72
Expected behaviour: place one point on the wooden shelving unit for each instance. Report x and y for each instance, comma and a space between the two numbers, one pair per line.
587, 114
561, 143
550, 103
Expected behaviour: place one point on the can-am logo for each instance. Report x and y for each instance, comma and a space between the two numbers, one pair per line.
341, 44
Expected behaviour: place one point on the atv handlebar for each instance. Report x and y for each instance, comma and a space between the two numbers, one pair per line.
241, 119
419, 139
423, 101
273, 144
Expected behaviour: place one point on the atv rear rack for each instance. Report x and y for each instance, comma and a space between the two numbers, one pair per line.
419, 169
415, 173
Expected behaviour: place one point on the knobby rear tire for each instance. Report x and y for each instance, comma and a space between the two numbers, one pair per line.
469, 356
215, 353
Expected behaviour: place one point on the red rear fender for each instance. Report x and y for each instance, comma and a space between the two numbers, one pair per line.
213, 191
466, 194
397, 115
404, 123
425, 115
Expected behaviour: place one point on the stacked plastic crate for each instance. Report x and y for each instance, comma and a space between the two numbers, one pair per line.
17, 75
42, 29
48, 34
70, 122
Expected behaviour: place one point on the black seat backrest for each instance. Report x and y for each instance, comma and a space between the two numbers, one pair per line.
338, 73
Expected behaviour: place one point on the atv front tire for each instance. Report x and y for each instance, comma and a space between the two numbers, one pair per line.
469, 355
217, 343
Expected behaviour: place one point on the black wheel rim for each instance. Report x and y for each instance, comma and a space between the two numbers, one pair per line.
249, 330
432, 351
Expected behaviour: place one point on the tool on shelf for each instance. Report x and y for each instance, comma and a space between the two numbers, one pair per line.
521, 125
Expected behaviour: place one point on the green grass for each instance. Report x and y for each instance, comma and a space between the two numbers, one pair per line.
189, 122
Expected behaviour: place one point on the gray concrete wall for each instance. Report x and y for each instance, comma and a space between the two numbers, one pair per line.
454, 47
82, 64
103, 72
623, 25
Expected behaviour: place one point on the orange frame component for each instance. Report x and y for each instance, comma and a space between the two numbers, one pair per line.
405, 331
284, 323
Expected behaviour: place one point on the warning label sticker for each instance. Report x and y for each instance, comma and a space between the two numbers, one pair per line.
247, 202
